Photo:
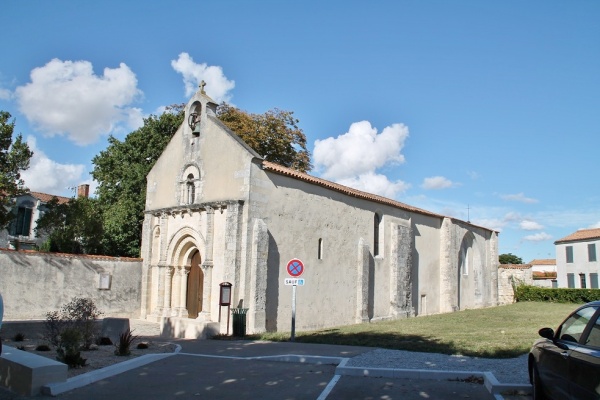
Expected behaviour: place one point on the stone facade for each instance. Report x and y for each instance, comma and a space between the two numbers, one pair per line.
218, 212
509, 275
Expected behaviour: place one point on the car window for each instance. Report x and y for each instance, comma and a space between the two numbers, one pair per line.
574, 326
594, 337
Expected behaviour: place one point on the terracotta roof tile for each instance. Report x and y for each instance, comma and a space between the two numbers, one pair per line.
44, 197
544, 261
582, 234
279, 169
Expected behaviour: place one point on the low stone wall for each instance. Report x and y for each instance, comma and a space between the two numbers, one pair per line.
33, 283
509, 274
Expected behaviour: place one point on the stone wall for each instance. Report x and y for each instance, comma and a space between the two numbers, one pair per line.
509, 274
33, 283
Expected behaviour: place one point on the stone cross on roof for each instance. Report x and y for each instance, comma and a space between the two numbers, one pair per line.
202, 84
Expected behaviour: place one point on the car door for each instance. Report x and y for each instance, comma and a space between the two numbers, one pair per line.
584, 364
554, 358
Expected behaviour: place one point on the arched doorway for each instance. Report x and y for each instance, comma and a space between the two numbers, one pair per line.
195, 287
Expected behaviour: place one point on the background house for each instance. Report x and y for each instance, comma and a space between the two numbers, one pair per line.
544, 272
577, 263
28, 208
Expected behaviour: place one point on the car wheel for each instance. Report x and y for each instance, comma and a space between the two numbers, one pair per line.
538, 391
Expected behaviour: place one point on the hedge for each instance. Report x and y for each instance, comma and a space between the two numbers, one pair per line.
535, 293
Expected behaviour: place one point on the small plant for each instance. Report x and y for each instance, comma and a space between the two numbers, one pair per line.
125, 340
68, 349
79, 314
21, 348
104, 341
142, 346
19, 337
42, 347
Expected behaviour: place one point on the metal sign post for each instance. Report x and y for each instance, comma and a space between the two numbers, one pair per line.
293, 313
294, 268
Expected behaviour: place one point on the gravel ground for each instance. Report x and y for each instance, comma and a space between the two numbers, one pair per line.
508, 370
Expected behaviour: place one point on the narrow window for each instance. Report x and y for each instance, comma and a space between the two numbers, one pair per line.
376, 224
191, 189
554, 284
569, 254
22, 224
592, 252
594, 281
582, 281
320, 249
570, 281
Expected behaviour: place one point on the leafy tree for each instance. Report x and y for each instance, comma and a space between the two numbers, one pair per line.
509, 259
274, 135
74, 227
14, 158
121, 172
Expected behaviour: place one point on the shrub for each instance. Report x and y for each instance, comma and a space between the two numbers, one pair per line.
19, 337
68, 349
83, 313
534, 293
79, 314
142, 346
42, 347
125, 340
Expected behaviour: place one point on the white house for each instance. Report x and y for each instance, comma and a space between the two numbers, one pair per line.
577, 261
28, 208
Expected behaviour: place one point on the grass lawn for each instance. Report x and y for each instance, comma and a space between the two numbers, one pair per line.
496, 332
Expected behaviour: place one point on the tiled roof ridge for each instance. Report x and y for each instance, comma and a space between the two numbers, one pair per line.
543, 261
68, 255
45, 197
581, 234
280, 169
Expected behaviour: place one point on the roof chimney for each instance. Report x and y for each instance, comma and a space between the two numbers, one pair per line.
83, 190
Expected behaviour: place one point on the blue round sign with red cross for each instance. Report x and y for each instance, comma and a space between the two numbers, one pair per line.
295, 268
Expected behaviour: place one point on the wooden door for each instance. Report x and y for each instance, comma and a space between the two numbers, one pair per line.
195, 287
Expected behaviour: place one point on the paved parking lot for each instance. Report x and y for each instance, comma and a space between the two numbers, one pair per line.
236, 370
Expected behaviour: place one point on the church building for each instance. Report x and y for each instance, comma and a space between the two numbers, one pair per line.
221, 221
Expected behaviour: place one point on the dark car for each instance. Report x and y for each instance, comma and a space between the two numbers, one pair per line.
566, 364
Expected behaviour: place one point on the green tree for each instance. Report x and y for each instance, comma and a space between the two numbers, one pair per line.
509, 259
74, 227
274, 135
121, 171
14, 158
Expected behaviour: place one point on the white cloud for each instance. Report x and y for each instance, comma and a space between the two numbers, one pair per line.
47, 176
520, 197
353, 158
5, 94
538, 237
473, 175
360, 150
530, 225
491, 223
594, 226
66, 97
437, 182
218, 87
375, 183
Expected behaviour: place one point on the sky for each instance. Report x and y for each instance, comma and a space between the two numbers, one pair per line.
485, 111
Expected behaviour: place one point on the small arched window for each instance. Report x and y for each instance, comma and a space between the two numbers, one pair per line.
191, 189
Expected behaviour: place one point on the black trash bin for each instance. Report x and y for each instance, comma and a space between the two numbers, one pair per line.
239, 321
